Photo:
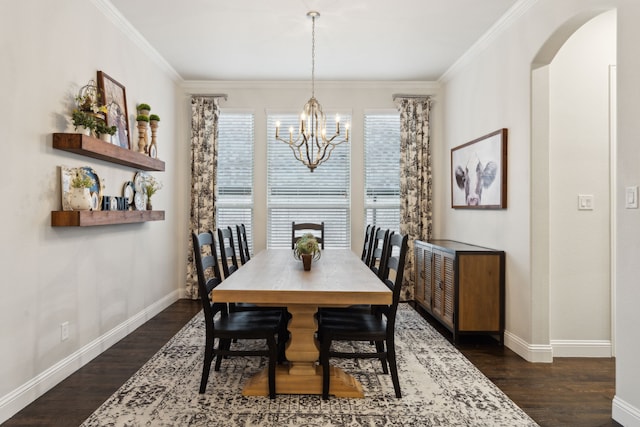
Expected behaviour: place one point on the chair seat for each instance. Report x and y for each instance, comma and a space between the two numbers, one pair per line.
248, 324
352, 326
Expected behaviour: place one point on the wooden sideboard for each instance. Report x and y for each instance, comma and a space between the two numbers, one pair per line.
462, 286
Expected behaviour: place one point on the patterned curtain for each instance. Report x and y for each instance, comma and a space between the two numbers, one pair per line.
415, 180
204, 158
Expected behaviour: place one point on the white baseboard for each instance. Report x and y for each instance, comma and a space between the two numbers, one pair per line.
16, 400
530, 352
574, 348
625, 414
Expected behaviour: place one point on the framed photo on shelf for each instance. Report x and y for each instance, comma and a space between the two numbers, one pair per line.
479, 173
114, 97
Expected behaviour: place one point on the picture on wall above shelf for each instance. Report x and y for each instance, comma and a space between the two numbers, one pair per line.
98, 149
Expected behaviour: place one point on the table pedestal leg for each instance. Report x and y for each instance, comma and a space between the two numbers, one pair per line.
303, 375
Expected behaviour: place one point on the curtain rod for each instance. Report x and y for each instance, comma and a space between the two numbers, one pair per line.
210, 95
402, 95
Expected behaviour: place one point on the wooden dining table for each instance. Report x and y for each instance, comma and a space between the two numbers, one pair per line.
275, 278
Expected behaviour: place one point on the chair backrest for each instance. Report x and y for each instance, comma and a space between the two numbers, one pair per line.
378, 246
301, 228
368, 241
243, 244
394, 264
206, 260
227, 251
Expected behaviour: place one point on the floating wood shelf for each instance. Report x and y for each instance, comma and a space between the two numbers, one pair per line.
99, 149
91, 218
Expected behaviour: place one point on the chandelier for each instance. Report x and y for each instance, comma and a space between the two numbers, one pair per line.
311, 145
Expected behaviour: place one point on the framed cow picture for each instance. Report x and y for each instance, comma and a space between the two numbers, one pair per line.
479, 173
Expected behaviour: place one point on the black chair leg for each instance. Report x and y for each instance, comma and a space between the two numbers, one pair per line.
206, 367
383, 358
325, 346
223, 344
273, 356
391, 355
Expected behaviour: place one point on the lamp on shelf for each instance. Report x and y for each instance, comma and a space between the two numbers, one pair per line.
311, 145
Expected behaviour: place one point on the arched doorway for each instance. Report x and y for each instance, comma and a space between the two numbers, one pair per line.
572, 172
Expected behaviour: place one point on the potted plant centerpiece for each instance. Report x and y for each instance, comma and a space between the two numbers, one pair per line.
80, 196
307, 249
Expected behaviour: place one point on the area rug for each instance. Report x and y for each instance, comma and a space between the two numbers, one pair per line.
440, 387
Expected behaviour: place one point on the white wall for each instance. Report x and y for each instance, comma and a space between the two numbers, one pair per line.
103, 280
579, 164
492, 89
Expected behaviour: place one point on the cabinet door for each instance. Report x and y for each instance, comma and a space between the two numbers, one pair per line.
429, 279
443, 290
420, 278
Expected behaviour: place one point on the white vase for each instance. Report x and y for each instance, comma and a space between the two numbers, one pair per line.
80, 199
105, 137
83, 130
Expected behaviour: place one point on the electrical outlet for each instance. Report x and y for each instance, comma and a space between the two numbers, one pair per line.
64, 331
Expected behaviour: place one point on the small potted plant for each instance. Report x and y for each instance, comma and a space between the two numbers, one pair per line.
105, 132
143, 109
154, 118
80, 196
307, 249
83, 122
151, 186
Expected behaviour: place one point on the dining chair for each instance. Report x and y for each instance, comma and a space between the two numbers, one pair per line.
368, 242
298, 229
228, 326
378, 245
228, 257
243, 244
377, 326
229, 263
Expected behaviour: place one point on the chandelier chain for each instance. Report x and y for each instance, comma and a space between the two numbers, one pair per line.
313, 56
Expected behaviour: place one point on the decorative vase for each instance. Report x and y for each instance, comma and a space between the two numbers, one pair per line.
153, 148
105, 137
83, 130
80, 199
306, 261
142, 137
149, 207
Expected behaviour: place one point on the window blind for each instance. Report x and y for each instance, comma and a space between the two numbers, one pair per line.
382, 170
234, 204
294, 193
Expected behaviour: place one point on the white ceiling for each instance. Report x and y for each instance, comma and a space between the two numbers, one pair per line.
404, 40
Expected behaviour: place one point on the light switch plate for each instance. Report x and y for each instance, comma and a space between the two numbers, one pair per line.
631, 197
585, 202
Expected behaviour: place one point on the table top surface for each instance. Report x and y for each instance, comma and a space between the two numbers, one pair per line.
274, 276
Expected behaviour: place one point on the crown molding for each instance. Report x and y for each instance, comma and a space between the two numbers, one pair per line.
206, 86
114, 15
512, 15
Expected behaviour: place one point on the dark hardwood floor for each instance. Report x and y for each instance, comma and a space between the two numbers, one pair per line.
567, 392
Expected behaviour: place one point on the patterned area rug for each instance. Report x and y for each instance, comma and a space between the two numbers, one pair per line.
440, 387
